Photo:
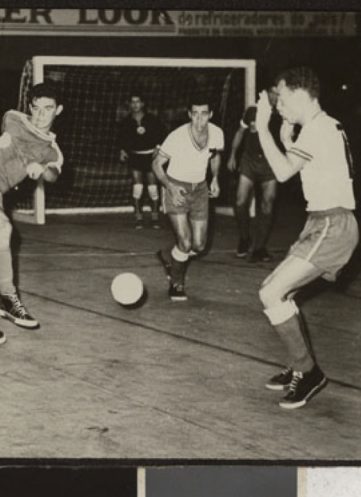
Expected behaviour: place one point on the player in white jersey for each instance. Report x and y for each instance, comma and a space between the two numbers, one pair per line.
322, 157
189, 150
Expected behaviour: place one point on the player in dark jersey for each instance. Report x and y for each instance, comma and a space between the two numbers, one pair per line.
27, 148
254, 172
140, 134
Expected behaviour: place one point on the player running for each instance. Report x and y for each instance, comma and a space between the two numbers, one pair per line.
322, 157
140, 133
189, 149
27, 148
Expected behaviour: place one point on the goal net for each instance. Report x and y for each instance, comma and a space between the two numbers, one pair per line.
95, 93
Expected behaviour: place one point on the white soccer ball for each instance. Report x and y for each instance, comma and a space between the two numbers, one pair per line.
127, 288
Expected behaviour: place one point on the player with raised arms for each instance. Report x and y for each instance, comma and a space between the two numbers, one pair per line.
27, 148
322, 157
189, 149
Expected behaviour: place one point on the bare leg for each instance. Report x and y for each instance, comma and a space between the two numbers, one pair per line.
244, 196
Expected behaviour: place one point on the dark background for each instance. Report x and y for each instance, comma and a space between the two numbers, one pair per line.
336, 60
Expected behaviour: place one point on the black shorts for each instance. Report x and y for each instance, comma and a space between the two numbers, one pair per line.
256, 168
140, 162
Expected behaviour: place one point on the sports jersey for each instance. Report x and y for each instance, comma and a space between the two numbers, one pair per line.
252, 146
141, 136
188, 162
22, 143
327, 175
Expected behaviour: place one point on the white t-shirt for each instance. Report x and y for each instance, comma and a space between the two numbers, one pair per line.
327, 175
187, 162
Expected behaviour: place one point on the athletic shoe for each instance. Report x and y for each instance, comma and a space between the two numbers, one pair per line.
12, 309
176, 292
260, 255
2, 337
303, 387
242, 248
280, 381
167, 265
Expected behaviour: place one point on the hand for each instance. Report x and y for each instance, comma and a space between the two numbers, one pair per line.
34, 170
214, 189
123, 156
286, 134
177, 193
232, 164
264, 111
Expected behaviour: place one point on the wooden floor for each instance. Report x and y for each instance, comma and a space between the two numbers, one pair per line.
167, 380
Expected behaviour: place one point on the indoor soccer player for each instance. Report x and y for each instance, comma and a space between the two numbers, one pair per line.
27, 148
189, 149
321, 155
254, 171
140, 134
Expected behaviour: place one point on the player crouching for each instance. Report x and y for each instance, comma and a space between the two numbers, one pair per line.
27, 148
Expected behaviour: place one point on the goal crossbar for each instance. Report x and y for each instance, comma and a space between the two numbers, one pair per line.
37, 216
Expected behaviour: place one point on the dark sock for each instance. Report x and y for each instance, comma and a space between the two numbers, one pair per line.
178, 271
262, 230
291, 334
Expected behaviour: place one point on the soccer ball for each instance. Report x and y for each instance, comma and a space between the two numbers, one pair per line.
127, 288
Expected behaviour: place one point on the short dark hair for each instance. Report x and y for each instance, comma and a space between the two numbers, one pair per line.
301, 77
47, 90
137, 94
199, 99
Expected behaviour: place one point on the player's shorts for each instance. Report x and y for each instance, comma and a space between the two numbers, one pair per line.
327, 240
256, 168
140, 162
196, 200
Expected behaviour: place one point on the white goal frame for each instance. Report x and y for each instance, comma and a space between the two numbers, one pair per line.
38, 213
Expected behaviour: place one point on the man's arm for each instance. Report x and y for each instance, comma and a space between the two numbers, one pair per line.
215, 163
177, 192
157, 165
283, 165
236, 142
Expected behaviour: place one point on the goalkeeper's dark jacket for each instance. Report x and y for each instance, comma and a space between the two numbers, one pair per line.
147, 135
22, 143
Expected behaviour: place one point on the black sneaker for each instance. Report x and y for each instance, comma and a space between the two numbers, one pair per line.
2, 337
242, 248
165, 263
303, 387
12, 309
280, 381
176, 292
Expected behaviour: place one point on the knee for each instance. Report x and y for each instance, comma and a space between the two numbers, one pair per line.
267, 206
198, 246
241, 202
185, 244
137, 190
270, 295
153, 192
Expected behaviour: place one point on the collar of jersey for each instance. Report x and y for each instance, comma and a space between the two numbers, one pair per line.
195, 144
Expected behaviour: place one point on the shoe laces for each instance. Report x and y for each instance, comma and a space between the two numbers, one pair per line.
286, 370
18, 306
296, 377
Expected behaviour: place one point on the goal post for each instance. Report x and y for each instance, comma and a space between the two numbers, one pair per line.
232, 80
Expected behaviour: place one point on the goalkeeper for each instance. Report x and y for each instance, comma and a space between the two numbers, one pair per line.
27, 148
